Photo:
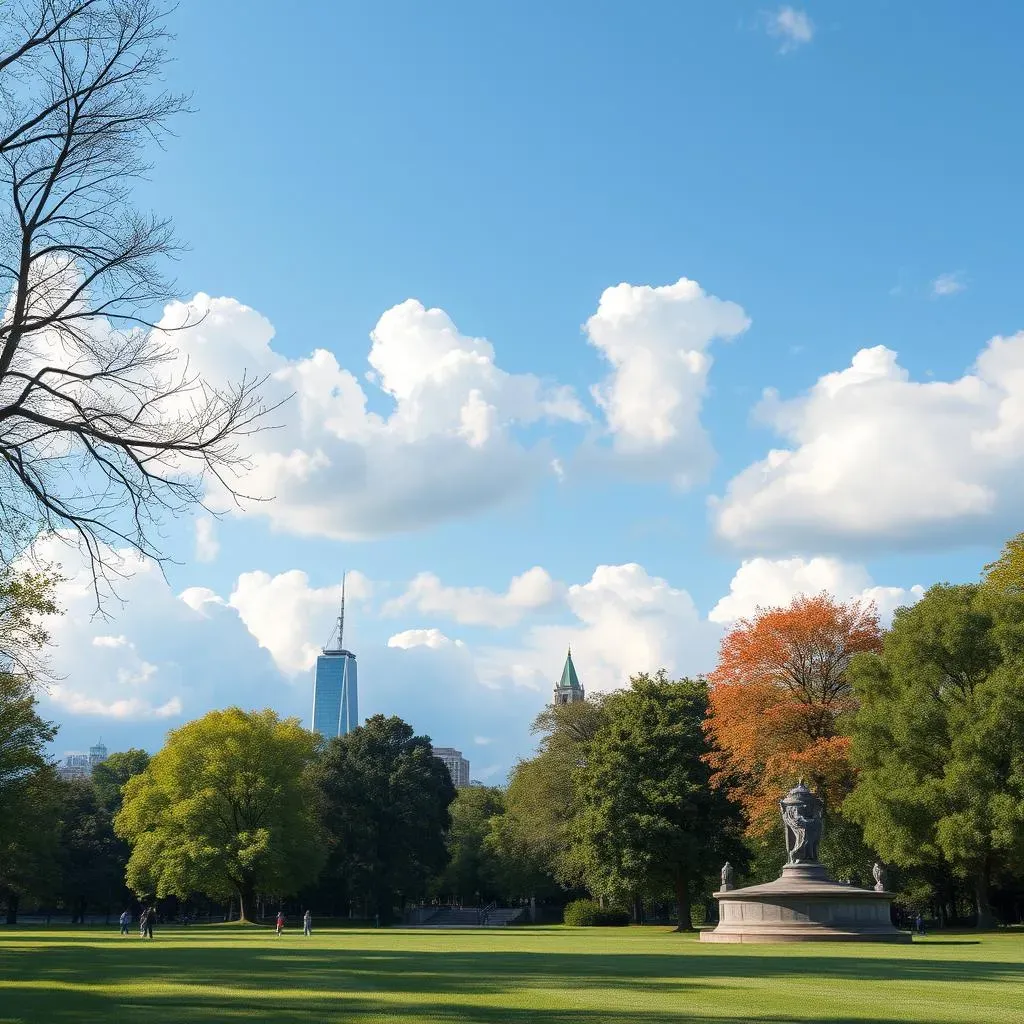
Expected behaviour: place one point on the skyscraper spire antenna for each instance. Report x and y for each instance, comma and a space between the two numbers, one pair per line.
341, 616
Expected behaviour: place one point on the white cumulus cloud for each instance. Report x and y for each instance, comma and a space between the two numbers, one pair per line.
292, 619
156, 659
207, 545
791, 26
478, 606
432, 638
446, 447
875, 460
767, 583
625, 621
656, 340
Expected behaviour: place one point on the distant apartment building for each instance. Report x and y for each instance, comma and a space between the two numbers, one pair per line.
80, 766
457, 765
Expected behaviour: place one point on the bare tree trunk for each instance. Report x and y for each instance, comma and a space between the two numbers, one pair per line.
246, 902
13, 899
683, 914
984, 918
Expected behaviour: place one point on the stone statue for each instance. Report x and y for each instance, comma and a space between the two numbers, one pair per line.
726, 877
879, 872
801, 816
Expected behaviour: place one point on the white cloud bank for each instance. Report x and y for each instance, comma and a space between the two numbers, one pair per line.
478, 606
764, 583
447, 447
877, 461
657, 341
449, 441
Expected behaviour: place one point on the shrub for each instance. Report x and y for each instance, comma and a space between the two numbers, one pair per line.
588, 913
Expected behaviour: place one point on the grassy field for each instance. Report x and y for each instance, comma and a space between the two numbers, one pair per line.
217, 974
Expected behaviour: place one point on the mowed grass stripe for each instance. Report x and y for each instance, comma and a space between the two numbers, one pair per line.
204, 974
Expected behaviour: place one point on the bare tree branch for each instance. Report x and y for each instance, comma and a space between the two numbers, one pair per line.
104, 428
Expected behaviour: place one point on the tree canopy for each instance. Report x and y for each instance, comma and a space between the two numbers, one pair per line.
779, 698
1007, 571
939, 737
227, 807
385, 803
649, 822
29, 794
542, 797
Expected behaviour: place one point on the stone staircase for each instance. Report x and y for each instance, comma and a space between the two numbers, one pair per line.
472, 917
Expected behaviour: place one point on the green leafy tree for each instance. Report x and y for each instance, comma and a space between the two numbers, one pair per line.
28, 784
939, 738
29, 839
110, 776
475, 867
1007, 571
92, 858
542, 799
385, 801
27, 598
226, 808
650, 822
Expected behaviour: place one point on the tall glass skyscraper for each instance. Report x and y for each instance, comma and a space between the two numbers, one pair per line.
335, 690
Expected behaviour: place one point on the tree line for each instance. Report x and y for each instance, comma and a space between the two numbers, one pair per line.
912, 735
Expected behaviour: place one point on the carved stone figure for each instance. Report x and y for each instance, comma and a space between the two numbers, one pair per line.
726, 877
879, 872
801, 815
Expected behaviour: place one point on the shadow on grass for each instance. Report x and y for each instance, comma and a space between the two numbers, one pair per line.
290, 982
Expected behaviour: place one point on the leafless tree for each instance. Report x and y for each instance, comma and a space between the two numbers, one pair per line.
104, 428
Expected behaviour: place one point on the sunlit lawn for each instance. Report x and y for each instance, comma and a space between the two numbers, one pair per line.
203, 975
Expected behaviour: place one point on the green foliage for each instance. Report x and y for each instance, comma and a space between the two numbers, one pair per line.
92, 857
588, 913
27, 597
385, 799
543, 799
23, 737
649, 822
1007, 572
227, 807
939, 738
29, 839
474, 869
29, 795
109, 777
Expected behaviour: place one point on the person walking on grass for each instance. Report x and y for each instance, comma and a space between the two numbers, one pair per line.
280, 922
307, 923
126, 919
150, 921
142, 922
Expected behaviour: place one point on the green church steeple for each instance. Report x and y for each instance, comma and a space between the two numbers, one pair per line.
568, 688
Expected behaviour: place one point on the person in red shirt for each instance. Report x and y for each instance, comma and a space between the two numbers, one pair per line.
280, 922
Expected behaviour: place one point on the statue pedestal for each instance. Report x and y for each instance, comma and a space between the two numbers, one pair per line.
804, 905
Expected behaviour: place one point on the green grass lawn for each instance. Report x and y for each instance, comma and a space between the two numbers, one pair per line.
217, 974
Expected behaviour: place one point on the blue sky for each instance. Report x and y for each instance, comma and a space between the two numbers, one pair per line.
844, 177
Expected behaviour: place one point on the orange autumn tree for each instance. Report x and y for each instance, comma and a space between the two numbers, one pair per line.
779, 697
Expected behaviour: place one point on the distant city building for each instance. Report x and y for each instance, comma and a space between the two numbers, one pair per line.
335, 688
477, 783
457, 765
568, 689
80, 766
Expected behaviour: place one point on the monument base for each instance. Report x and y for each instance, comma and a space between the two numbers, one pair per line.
804, 905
